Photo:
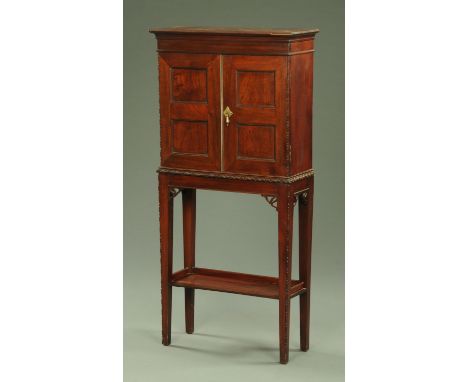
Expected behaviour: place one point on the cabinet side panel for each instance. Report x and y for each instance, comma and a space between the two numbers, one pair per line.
164, 107
301, 78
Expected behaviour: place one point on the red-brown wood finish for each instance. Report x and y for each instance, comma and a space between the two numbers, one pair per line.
285, 228
233, 40
189, 110
300, 114
233, 282
265, 77
305, 248
254, 88
166, 225
189, 208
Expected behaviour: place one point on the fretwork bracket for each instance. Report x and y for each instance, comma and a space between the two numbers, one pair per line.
173, 192
271, 200
300, 196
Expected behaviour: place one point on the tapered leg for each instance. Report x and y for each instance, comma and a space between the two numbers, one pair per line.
305, 249
165, 226
285, 226
189, 207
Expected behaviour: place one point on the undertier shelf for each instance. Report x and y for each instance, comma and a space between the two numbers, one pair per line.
233, 282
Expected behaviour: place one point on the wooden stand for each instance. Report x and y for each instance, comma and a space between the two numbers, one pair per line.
283, 196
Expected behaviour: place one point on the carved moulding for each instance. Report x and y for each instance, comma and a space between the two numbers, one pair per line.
254, 178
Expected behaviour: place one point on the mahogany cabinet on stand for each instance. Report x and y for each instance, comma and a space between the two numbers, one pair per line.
236, 115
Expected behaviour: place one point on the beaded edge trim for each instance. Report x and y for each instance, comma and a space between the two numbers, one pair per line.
287, 180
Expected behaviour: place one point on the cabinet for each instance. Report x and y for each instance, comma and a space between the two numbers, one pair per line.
236, 115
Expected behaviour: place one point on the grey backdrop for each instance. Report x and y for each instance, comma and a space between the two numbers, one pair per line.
236, 337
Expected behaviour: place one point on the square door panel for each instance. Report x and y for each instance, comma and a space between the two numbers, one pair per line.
256, 142
190, 137
189, 85
255, 88
190, 111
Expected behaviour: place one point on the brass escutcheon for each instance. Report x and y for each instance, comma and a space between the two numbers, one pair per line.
227, 113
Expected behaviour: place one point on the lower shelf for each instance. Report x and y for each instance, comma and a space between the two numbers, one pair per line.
233, 282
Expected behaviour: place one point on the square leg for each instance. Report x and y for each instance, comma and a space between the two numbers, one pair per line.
166, 237
305, 252
189, 223
285, 228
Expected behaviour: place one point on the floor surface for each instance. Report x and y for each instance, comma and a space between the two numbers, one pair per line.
235, 339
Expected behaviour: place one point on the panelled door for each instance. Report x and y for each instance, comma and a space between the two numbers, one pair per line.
190, 110
254, 90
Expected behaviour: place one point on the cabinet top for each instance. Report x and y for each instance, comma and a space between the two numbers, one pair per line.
254, 32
